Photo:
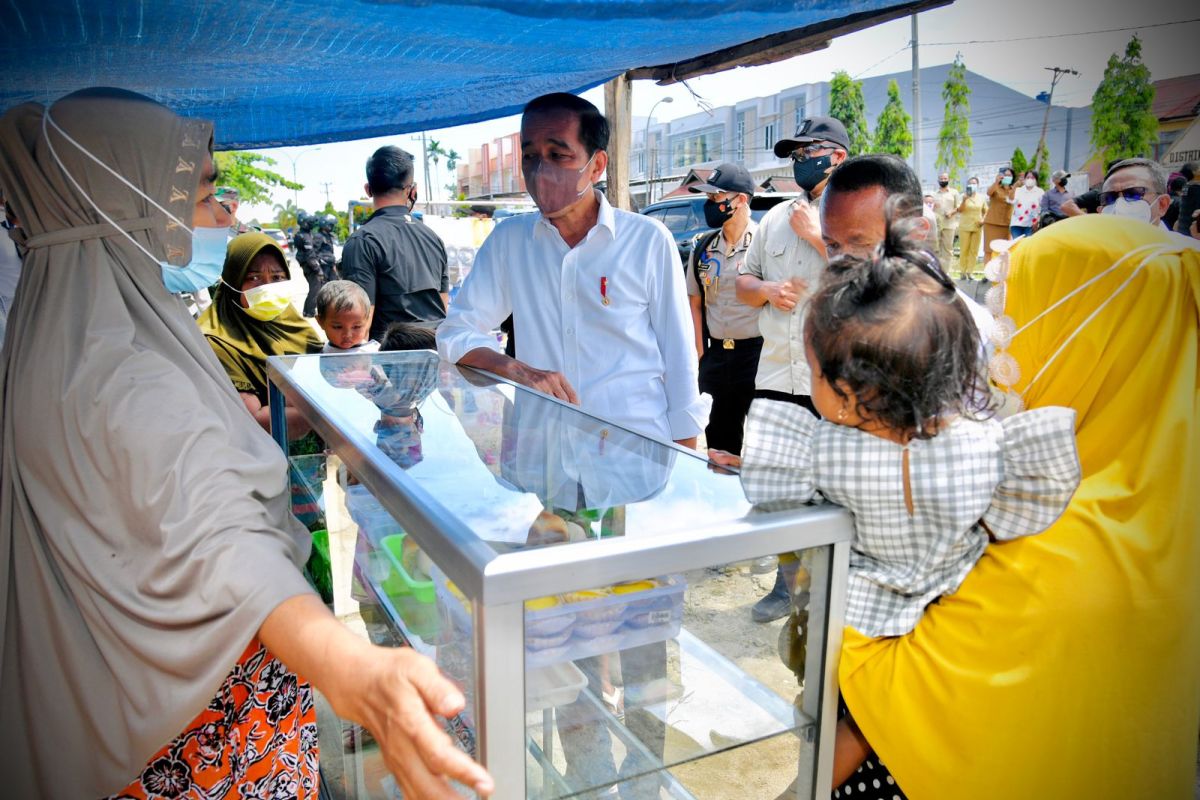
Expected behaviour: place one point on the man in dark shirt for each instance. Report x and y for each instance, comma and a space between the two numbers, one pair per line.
398, 260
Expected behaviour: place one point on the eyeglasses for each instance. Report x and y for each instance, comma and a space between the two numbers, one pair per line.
1132, 194
808, 151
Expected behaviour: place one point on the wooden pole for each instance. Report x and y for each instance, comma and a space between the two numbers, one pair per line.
618, 107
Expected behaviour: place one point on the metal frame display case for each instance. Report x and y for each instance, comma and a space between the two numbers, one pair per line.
574, 578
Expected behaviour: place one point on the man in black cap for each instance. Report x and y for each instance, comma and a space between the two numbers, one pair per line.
727, 337
782, 268
1052, 201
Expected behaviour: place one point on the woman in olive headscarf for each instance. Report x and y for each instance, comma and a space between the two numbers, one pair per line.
149, 565
244, 333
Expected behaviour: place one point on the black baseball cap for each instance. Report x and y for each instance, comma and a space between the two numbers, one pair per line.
814, 129
726, 178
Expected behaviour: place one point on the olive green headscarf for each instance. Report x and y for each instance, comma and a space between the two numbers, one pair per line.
241, 342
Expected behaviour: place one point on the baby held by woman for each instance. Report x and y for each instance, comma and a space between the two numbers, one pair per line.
908, 442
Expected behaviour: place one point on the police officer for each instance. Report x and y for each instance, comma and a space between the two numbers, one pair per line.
304, 245
323, 242
727, 337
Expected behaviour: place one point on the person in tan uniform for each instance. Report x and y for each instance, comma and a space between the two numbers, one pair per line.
945, 207
999, 211
970, 217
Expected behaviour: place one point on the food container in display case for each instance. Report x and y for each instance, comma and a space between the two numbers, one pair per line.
587, 587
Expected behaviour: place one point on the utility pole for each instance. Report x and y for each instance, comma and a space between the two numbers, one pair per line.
325, 188
1058, 73
425, 158
916, 101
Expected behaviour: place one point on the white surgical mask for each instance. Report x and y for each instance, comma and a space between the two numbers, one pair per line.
268, 301
1133, 209
1030, 183
208, 244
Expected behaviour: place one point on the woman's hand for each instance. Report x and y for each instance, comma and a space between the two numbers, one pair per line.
396, 697
392, 692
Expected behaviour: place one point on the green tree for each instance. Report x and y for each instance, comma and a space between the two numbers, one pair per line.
436, 152
342, 228
1019, 162
893, 129
1041, 165
248, 173
1122, 124
285, 214
847, 106
954, 139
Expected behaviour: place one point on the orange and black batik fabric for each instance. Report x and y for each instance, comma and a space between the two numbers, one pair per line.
256, 739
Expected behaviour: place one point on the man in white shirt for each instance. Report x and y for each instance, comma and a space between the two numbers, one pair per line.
600, 313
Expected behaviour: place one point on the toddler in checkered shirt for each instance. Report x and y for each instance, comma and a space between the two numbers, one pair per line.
908, 442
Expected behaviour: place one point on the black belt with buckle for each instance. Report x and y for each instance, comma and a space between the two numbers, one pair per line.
731, 344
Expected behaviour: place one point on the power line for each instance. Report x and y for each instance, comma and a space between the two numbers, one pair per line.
1060, 35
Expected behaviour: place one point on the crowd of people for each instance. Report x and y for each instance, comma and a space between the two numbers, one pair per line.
152, 566
1012, 211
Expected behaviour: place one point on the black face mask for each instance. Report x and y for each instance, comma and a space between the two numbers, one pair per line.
811, 171
943, 184
717, 214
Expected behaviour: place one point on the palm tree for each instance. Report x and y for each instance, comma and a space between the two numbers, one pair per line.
285, 215
435, 152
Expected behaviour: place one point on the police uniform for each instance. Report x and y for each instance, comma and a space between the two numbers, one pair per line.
304, 248
732, 342
323, 246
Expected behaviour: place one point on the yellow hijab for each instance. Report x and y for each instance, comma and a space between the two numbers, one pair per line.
1068, 663
241, 342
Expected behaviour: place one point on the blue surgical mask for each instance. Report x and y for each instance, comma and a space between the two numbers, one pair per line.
204, 269
208, 244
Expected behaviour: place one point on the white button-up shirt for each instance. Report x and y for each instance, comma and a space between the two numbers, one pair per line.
631, 360
778, 254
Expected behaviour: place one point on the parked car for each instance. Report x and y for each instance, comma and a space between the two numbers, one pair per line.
280, 238
684, 216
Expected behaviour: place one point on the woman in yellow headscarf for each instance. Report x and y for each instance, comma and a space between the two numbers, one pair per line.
243, 335
1067, 665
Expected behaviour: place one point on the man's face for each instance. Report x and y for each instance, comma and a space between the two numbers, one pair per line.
944, 178
853, 222
552, 137
1138, 178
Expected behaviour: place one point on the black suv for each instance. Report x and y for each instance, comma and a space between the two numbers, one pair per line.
684, 216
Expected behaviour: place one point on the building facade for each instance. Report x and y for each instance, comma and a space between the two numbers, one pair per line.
1001, 119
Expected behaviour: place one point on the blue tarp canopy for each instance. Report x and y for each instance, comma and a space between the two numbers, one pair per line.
286, 72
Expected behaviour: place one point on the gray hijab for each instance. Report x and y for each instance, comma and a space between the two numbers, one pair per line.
145, 528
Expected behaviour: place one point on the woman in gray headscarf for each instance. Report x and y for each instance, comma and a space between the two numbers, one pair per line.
148, 559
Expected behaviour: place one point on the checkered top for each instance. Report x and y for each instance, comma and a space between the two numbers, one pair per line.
1012, 478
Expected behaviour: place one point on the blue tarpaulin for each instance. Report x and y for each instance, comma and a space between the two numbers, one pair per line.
285, 72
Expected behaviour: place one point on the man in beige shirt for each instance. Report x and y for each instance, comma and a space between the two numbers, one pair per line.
782, 269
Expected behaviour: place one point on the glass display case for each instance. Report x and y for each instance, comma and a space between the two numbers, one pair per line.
587, 587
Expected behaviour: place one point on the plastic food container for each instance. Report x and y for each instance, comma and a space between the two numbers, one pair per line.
588, 622
399, 581
556, 685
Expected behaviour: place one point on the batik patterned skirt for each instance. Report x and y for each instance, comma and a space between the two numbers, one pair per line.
256, 739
